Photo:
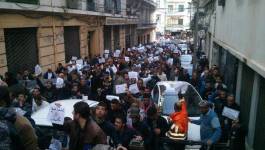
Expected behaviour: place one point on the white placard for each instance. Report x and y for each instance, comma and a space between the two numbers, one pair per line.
156, 58
74, 58
170, 61
134, 89
150, 59
112, 97
38, 70
230, 113
101, 60
116, 54
80, 62
118, 51
133, 75
128, 49
106, 51
127, 59
121, 88
56, 114
106, 56
114, 69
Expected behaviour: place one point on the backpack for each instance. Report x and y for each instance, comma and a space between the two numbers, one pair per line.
9, 138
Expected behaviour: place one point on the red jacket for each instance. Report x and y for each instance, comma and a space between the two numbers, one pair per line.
181, 118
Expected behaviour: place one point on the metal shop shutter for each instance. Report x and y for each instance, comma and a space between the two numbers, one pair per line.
246, 93
107, 37
71, 42
260, 121
21, 49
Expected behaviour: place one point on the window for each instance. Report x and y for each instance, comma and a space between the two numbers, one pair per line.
170, 8
158, 3
158, 18
180, 21
181, 8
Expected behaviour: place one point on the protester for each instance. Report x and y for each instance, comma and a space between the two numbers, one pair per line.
16, 131
210, 128
83, 132
38, 101
158, 126
108, 128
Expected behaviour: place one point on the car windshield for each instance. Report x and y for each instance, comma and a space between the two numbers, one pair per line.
168, 105
192, 99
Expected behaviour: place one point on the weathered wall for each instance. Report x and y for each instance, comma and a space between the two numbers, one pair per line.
3, 61
240, 29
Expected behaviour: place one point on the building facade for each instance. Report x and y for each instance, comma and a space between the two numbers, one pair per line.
178, 15
51, 32
234, 37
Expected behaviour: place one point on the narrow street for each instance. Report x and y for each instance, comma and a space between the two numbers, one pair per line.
132, 75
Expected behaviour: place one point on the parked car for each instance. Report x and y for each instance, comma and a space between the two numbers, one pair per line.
165, 95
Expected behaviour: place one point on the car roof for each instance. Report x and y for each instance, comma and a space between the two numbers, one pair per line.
41, 116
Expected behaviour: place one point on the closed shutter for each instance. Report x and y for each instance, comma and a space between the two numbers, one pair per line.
260, 121
21, 49
246, 93
107, 37
71, 42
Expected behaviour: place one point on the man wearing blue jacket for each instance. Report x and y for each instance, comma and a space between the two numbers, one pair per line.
210, 125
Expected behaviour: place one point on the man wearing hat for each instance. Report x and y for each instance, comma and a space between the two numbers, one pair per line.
210, 126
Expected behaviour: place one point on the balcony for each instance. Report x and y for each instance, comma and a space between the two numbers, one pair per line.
24, 1
176, 27
152, 2
176, 13
142, 26
113, 7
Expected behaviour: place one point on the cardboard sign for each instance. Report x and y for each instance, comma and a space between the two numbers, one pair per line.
121, 88
116, 54
112, 97
134, 89
133, 75
74, 58
170, 61
127, 59
106, 51
101, 60
106, 56
56, 114
38, 70
230, 113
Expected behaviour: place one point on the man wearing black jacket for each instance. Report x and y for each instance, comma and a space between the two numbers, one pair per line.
158, 126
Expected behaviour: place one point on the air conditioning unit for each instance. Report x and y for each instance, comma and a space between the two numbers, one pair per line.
221, 3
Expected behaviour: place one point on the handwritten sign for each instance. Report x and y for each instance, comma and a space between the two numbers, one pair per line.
106, 51
112, 97
127, 59
230, 113
80, 62
38, 70
134, 89
101, 60
121, 88
116, 54
74, 58
133, 75
170, 61
56, 114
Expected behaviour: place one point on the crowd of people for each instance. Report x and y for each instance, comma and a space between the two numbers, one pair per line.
131, 121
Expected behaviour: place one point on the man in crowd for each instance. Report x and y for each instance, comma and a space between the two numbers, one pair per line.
101, 113
83, 132
158, 126
38, 101
210, 126
16, 131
